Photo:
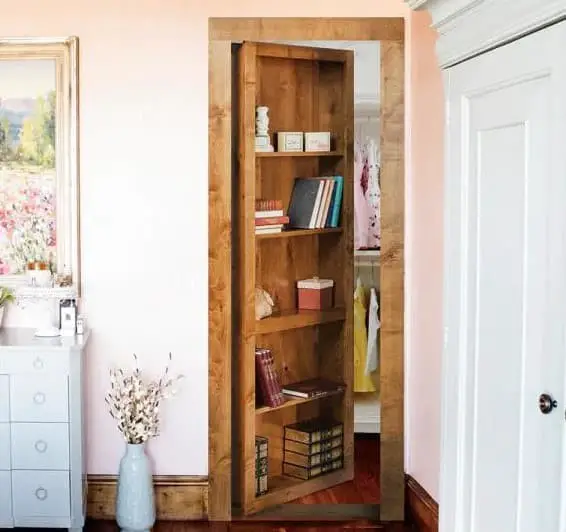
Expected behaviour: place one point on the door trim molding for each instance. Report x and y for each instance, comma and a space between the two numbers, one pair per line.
390, 32
469, 27
422, 509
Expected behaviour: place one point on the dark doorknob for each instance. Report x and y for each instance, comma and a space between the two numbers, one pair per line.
546, 403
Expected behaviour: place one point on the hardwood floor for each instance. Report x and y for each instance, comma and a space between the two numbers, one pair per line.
177, 526
364, 489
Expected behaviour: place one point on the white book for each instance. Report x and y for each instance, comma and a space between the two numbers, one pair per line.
268, 214
312, 223
268, 230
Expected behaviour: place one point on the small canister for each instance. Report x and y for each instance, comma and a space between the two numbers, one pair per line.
315, 294
80, 324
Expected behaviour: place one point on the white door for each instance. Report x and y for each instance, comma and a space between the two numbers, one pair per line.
505, 298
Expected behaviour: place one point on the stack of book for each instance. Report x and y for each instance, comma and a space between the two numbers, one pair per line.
315, 202
261, 467
313, 388
267, 380
312, 448
269, 216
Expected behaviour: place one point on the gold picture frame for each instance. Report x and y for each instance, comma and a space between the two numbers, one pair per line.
35, 144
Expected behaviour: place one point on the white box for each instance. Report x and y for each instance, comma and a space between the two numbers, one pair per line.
290, 141
317, 141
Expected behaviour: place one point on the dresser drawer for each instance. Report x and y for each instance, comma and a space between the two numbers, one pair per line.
5, 461
40, 494
4, 398
40, 446
39, 399
5, 499
35, 362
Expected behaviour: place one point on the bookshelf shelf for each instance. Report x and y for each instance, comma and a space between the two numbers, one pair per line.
293, 233
267, 154
303, 93
298, 319
282, 487
292, 402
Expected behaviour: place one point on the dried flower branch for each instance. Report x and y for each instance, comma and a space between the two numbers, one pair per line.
134, 404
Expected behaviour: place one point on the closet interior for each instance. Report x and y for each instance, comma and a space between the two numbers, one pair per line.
367, 239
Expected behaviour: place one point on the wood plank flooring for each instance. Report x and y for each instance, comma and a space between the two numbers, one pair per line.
364, 489
176, 526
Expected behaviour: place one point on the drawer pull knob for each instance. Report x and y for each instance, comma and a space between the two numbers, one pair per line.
38, 363
39, 398
41, 494
40, 446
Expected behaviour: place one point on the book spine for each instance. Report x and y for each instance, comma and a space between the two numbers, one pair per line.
274, 220
263, 379
316, 206
337, 202
268, 214
268, 205
278, 398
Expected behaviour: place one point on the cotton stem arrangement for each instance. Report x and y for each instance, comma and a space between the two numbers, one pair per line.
135, 403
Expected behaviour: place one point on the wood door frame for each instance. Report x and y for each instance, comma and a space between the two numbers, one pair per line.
390, 33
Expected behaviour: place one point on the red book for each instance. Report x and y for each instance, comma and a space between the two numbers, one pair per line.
268, 205
266, 378
274, 220
274, 385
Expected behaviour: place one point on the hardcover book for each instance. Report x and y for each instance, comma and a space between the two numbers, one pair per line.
313, 388
313, 430
306, 473
312, 459
313, 448
267, 379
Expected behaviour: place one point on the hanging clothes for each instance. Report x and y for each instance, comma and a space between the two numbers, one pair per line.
373, 327
373, 196
362, 382
367, 196
361, 213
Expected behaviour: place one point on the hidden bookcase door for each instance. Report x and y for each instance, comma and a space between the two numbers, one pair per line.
293, 445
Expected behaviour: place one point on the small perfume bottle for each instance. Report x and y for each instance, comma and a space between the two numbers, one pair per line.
68, 317
80, 324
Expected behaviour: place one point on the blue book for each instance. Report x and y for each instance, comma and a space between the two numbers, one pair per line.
328, 222
337, 200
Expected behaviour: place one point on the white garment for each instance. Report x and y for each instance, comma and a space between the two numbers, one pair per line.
373, 326
374, 196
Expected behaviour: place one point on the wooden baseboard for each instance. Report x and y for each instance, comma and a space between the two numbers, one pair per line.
177, 498
421, 508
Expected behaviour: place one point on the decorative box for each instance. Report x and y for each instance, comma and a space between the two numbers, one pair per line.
317, 141
315, 294
290, 141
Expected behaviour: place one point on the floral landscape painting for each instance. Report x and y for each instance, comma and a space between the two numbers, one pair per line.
27, 163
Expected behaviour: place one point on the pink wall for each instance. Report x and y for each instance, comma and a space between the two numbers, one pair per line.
425, 222
144, 205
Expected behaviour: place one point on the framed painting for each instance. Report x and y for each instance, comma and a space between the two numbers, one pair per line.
39, 173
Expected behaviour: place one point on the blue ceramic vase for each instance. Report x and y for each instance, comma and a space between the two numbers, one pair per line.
135, 501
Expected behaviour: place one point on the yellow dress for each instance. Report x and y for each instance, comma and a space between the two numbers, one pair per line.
362, 382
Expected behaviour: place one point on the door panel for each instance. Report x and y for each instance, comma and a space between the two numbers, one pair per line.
504, 299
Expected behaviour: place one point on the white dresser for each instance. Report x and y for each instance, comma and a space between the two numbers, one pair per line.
42, 451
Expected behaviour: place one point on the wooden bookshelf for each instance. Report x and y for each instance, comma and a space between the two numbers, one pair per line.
305, 89
261, 154
292, 233
291, 402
